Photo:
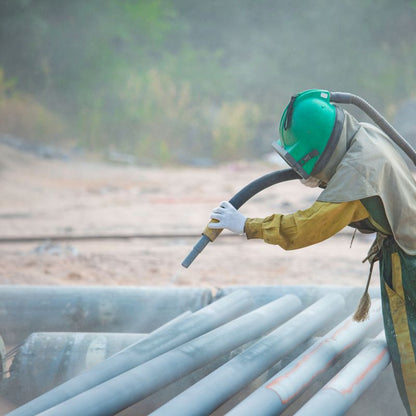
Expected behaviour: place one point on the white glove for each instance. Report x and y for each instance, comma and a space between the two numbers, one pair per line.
228, 217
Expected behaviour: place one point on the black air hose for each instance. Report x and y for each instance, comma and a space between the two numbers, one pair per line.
395, 136
240, 198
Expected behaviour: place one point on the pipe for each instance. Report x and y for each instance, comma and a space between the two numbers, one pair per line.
308, 294
208, 394
240, 198
134, 385
171, 335
278, 392
50, 358
158, 398
3, 358
342, 391
28, 309
395, 136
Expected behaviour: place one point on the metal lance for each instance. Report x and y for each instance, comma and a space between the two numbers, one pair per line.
134, 385
209, 393
169, 336
277, 393
342, 391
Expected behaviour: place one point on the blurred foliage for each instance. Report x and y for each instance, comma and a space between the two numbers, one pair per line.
236, 130
23, 116
176, 80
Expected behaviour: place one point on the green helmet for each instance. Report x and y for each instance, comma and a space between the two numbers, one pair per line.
309, 131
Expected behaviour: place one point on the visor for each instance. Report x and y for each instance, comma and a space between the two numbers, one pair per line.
288, 158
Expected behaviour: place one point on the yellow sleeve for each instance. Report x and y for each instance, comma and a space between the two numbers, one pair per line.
304, 228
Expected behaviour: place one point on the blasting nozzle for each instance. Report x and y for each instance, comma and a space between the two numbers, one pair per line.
208, 236
199, 246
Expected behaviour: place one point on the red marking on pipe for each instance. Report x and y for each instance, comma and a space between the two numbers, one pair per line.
273, 384
359, 378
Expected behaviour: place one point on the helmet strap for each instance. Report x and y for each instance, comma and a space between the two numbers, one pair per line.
289, 112
313, 153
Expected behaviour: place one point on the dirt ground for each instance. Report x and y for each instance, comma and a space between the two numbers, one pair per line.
80, 196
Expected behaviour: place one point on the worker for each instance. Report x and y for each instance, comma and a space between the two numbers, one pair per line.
367, 185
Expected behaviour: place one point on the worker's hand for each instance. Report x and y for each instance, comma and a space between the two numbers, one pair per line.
228, 217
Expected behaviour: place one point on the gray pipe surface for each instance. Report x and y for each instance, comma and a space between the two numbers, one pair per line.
342, 391
134, 385
50, 358
278, 392
308, 294
171, 335
153, 401
209, 393
28, 309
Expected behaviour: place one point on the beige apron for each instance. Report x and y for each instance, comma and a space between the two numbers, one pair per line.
365, 163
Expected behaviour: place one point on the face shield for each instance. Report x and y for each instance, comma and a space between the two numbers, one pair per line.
294, 164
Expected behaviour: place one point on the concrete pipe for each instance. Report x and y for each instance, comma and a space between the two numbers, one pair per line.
47, 359
163, 395
342, 391
28, 309
307, 294
138, 383
171, 335
2, 358
277, 393
208, 394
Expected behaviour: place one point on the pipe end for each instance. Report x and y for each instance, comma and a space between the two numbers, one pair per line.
199, 246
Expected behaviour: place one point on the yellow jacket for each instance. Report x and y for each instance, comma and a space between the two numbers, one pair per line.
313, 225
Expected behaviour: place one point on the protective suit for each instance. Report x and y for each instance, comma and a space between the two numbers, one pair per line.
368, 186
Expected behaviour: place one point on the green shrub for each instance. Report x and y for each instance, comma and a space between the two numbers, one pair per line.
22, 116
235, 130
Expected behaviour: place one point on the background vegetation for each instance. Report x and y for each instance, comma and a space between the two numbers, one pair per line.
180, 80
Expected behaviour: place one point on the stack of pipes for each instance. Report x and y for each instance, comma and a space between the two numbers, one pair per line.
219, 360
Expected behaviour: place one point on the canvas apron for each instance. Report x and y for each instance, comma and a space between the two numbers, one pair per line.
398, 294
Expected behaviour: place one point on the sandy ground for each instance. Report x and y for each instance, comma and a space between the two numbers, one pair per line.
45, 197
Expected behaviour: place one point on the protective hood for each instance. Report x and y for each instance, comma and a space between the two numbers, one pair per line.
365, 163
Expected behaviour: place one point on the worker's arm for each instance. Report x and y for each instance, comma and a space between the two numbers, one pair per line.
304, 228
